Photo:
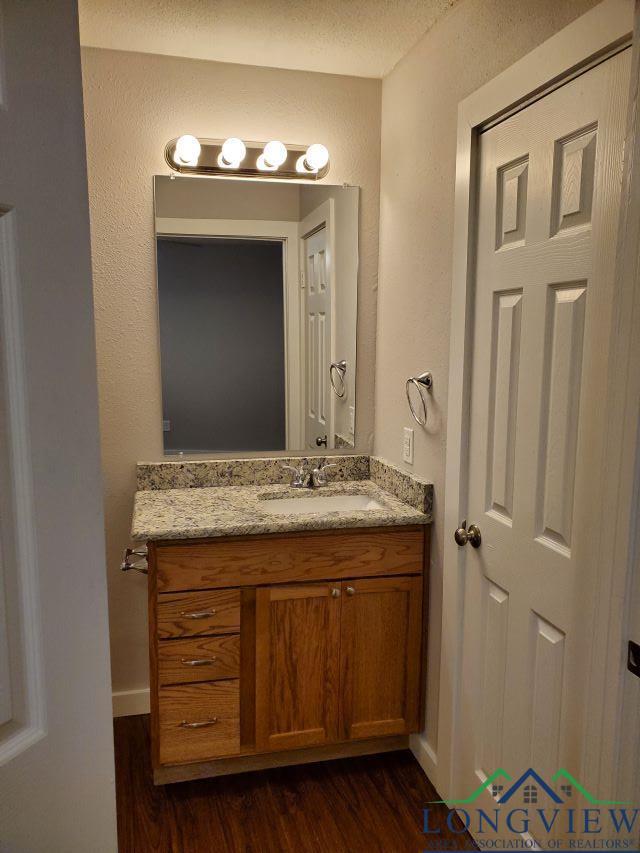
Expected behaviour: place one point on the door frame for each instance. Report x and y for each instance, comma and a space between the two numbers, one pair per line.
619, 697
259, 229
600, 33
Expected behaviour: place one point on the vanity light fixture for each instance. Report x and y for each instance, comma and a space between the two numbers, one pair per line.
190, 156
232, 154
187, 151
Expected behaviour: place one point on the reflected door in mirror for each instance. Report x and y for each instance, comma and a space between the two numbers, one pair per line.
318, 421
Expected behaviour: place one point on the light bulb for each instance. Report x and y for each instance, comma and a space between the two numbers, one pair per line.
264, 166
187, 151
316, 157
233, 152
275, 153
302, 168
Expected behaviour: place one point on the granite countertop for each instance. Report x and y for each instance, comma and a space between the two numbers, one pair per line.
190, 513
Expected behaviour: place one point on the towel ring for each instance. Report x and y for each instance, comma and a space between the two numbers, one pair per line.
340, 367
423, 382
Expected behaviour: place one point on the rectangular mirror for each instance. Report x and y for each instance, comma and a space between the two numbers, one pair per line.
257, 294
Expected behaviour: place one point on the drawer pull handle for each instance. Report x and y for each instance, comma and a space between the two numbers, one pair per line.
198, 614
198, 661
187, 725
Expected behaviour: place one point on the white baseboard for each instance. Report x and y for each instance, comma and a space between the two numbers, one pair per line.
129, 702
426, 757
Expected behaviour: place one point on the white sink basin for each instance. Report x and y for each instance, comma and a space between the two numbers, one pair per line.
314, 505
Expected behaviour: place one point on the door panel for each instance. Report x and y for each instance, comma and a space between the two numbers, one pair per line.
380, 656
297, 672
317, 281
549, 183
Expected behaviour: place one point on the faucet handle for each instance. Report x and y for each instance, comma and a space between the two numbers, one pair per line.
319, 474
299, 478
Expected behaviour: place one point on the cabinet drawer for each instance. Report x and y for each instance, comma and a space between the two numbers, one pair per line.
199, 721
193, 613
317, 556
200, 659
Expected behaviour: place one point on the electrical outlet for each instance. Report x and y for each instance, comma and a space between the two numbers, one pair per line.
352, 420
407, 445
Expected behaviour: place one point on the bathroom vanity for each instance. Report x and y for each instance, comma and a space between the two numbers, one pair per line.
281, 635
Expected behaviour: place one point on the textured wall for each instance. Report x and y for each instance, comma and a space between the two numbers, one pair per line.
471, 44
135, 103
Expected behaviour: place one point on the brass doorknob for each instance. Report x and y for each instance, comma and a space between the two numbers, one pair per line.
472, 535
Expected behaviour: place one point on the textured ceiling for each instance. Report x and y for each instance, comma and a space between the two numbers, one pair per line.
365, 38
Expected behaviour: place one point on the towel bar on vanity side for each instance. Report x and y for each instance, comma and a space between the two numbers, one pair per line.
138, 565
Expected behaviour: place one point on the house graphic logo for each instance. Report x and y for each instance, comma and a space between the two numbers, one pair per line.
531, 812
532, 785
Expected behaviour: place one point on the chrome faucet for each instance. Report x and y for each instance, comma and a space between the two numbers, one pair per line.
300, 479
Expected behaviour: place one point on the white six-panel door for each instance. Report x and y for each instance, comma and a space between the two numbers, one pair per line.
317, 287
549, 184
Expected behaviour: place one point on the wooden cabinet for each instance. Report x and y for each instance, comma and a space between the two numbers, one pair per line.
381, 635
262, 661
297, 665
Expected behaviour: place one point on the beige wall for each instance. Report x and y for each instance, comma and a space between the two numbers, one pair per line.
134, 104
471, 44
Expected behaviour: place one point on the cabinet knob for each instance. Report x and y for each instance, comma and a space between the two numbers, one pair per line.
335, 592
350, 590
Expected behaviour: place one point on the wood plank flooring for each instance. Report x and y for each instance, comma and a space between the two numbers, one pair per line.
368, 804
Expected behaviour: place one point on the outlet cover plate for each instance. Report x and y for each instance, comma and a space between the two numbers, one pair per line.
407, 445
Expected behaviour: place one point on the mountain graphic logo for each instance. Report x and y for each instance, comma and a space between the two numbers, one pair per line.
502, 788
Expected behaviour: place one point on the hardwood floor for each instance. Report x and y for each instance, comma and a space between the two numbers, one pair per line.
357, 804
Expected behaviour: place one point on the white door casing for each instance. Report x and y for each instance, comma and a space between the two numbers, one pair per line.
56, 745
318, 286
619, 591
549, 190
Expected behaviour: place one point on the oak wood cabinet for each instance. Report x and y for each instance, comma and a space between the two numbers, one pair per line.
278, 649
381, 634
297, 665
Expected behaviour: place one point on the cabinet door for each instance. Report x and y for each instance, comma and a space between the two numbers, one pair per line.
297, 665
381, 656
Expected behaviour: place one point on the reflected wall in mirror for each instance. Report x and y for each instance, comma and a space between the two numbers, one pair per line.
257, 294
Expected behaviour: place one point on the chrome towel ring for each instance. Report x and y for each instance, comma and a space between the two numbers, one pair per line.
338, 369
423, 382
